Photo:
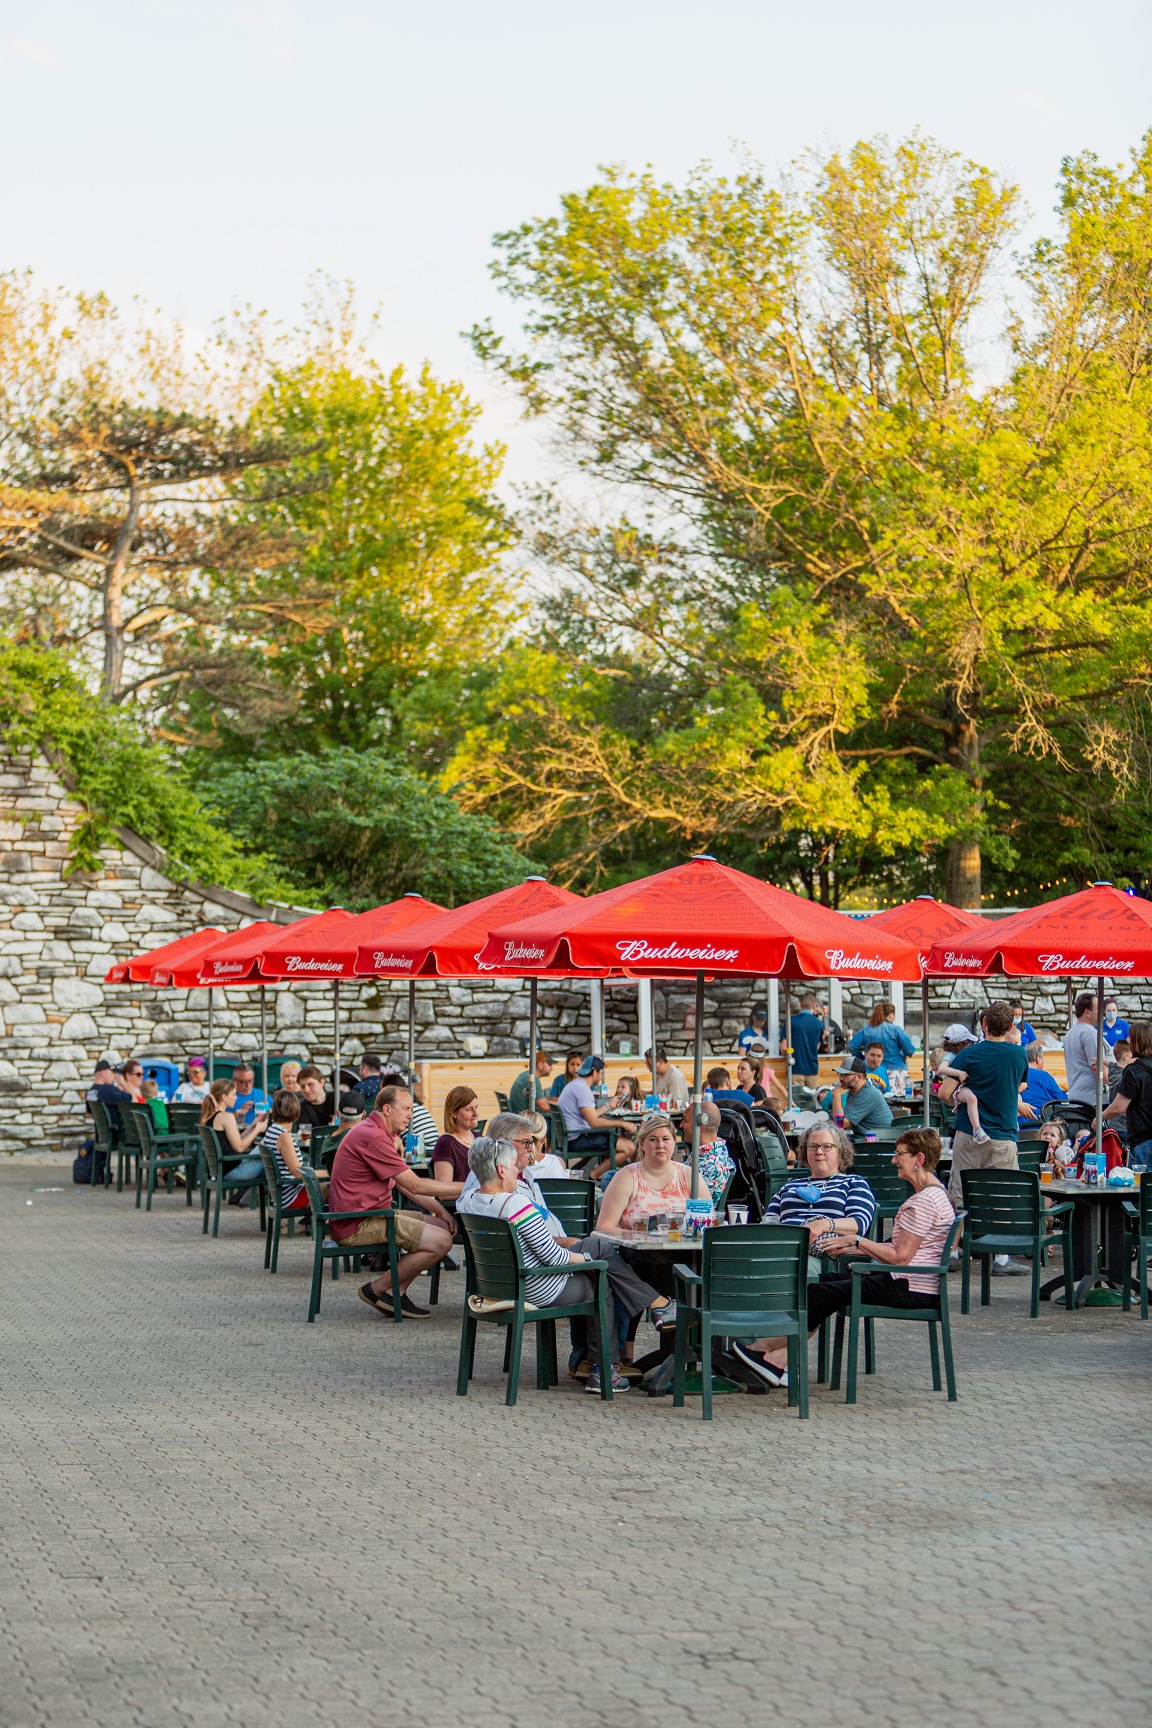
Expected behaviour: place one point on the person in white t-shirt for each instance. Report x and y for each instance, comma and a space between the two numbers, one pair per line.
194, 1089
545, 1166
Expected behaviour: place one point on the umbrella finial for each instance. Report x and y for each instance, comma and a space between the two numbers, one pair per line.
702, 858
1101, 884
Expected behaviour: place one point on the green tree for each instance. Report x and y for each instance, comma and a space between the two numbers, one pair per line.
354, 828
117, 461
394, 511
903, 604
120, 775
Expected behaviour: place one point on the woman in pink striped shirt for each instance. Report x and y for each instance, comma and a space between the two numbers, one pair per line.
919, 1232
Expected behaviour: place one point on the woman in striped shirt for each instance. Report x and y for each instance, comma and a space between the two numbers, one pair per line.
277, 1139
828, 1200
919, 1232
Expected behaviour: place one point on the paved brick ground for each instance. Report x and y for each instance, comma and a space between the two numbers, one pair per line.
216, 1514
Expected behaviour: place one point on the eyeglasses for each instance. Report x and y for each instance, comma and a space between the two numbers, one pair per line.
524, 1140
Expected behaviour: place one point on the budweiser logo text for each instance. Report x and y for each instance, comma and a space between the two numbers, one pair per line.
1083, 963
957, 962
392, 962
297, 963
638, 949
841, 962
521, 951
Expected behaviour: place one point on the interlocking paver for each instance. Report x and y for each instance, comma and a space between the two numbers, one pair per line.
216, 1514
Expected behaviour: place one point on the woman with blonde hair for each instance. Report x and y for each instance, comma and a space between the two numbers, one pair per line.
544, 1165
450, 1153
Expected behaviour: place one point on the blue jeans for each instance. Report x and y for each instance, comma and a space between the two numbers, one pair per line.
248, 1169
1140, 1155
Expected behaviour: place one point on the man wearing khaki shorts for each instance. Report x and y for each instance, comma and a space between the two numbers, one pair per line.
367, 1168
996, 1070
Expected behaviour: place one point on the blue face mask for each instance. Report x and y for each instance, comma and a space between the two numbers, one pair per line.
812, 1192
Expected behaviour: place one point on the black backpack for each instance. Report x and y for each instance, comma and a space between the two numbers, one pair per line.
82, 1173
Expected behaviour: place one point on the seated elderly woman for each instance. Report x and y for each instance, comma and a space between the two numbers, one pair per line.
501, 1194
919, 1232
544, 1164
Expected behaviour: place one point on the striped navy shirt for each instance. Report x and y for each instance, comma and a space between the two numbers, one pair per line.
803, 1198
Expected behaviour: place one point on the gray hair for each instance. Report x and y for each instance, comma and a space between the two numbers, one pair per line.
845, 1145
1034, 1052
709, 1113
507, 1125
487, 1156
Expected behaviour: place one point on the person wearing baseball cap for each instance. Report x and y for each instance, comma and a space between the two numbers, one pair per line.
957, 1035
856, 1100
589, 1133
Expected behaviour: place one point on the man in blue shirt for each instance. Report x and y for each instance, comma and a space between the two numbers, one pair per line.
1041, 1088
807, 1036
1114, 1027
249, 1099
755, 1034
370, 1080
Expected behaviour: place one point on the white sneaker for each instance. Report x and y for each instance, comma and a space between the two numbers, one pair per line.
619, 1384
981, 1137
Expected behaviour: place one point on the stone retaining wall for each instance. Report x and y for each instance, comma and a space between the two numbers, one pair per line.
61, 931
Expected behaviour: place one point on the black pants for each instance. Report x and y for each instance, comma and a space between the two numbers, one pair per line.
833, 1295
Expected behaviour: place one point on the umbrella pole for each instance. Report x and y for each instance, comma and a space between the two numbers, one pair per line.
1071, 1021
264, 1042
211, 1039
411, 1030
1099, 1066
788, 1046
697, 1082
336, 1041
532, 1013
924, 1042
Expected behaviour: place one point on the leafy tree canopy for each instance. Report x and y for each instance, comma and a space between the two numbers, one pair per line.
874, 604
355, 828
122, 777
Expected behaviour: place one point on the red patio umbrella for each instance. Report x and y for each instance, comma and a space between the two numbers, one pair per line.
184, 973
926, 920
1097, 932
706, 919
138, 968
326, 947
246, 962
448, 946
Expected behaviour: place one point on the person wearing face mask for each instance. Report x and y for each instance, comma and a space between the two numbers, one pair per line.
1114, 1027
1026, 1030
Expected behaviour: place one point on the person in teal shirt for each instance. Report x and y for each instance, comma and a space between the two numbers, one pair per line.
523, 1095
571, 1067
874, 1066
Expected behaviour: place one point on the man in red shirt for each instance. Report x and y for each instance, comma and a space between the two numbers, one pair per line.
365, 1170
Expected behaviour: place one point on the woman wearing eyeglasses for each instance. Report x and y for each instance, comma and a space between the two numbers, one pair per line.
919, 1232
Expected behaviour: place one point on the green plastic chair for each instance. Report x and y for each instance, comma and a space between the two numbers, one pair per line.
325, 1246
871, 1311
215, 1180
1006, 1216
560, 1143
752, 1283
107, 1137
1029, 1158
573, 1201
183, 1118
1138, 1240
159, 1154
501, 1102
875, 1164
275, 1214
883, 1136
496, 1273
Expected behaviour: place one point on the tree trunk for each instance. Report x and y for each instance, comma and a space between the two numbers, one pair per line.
112, 681
962, 874
962, 868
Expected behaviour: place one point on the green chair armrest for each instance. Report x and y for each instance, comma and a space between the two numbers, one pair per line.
1060, 1206
1132, 1211
685, 1275
939, 1271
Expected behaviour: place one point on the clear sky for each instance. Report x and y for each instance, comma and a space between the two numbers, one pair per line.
205, 153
